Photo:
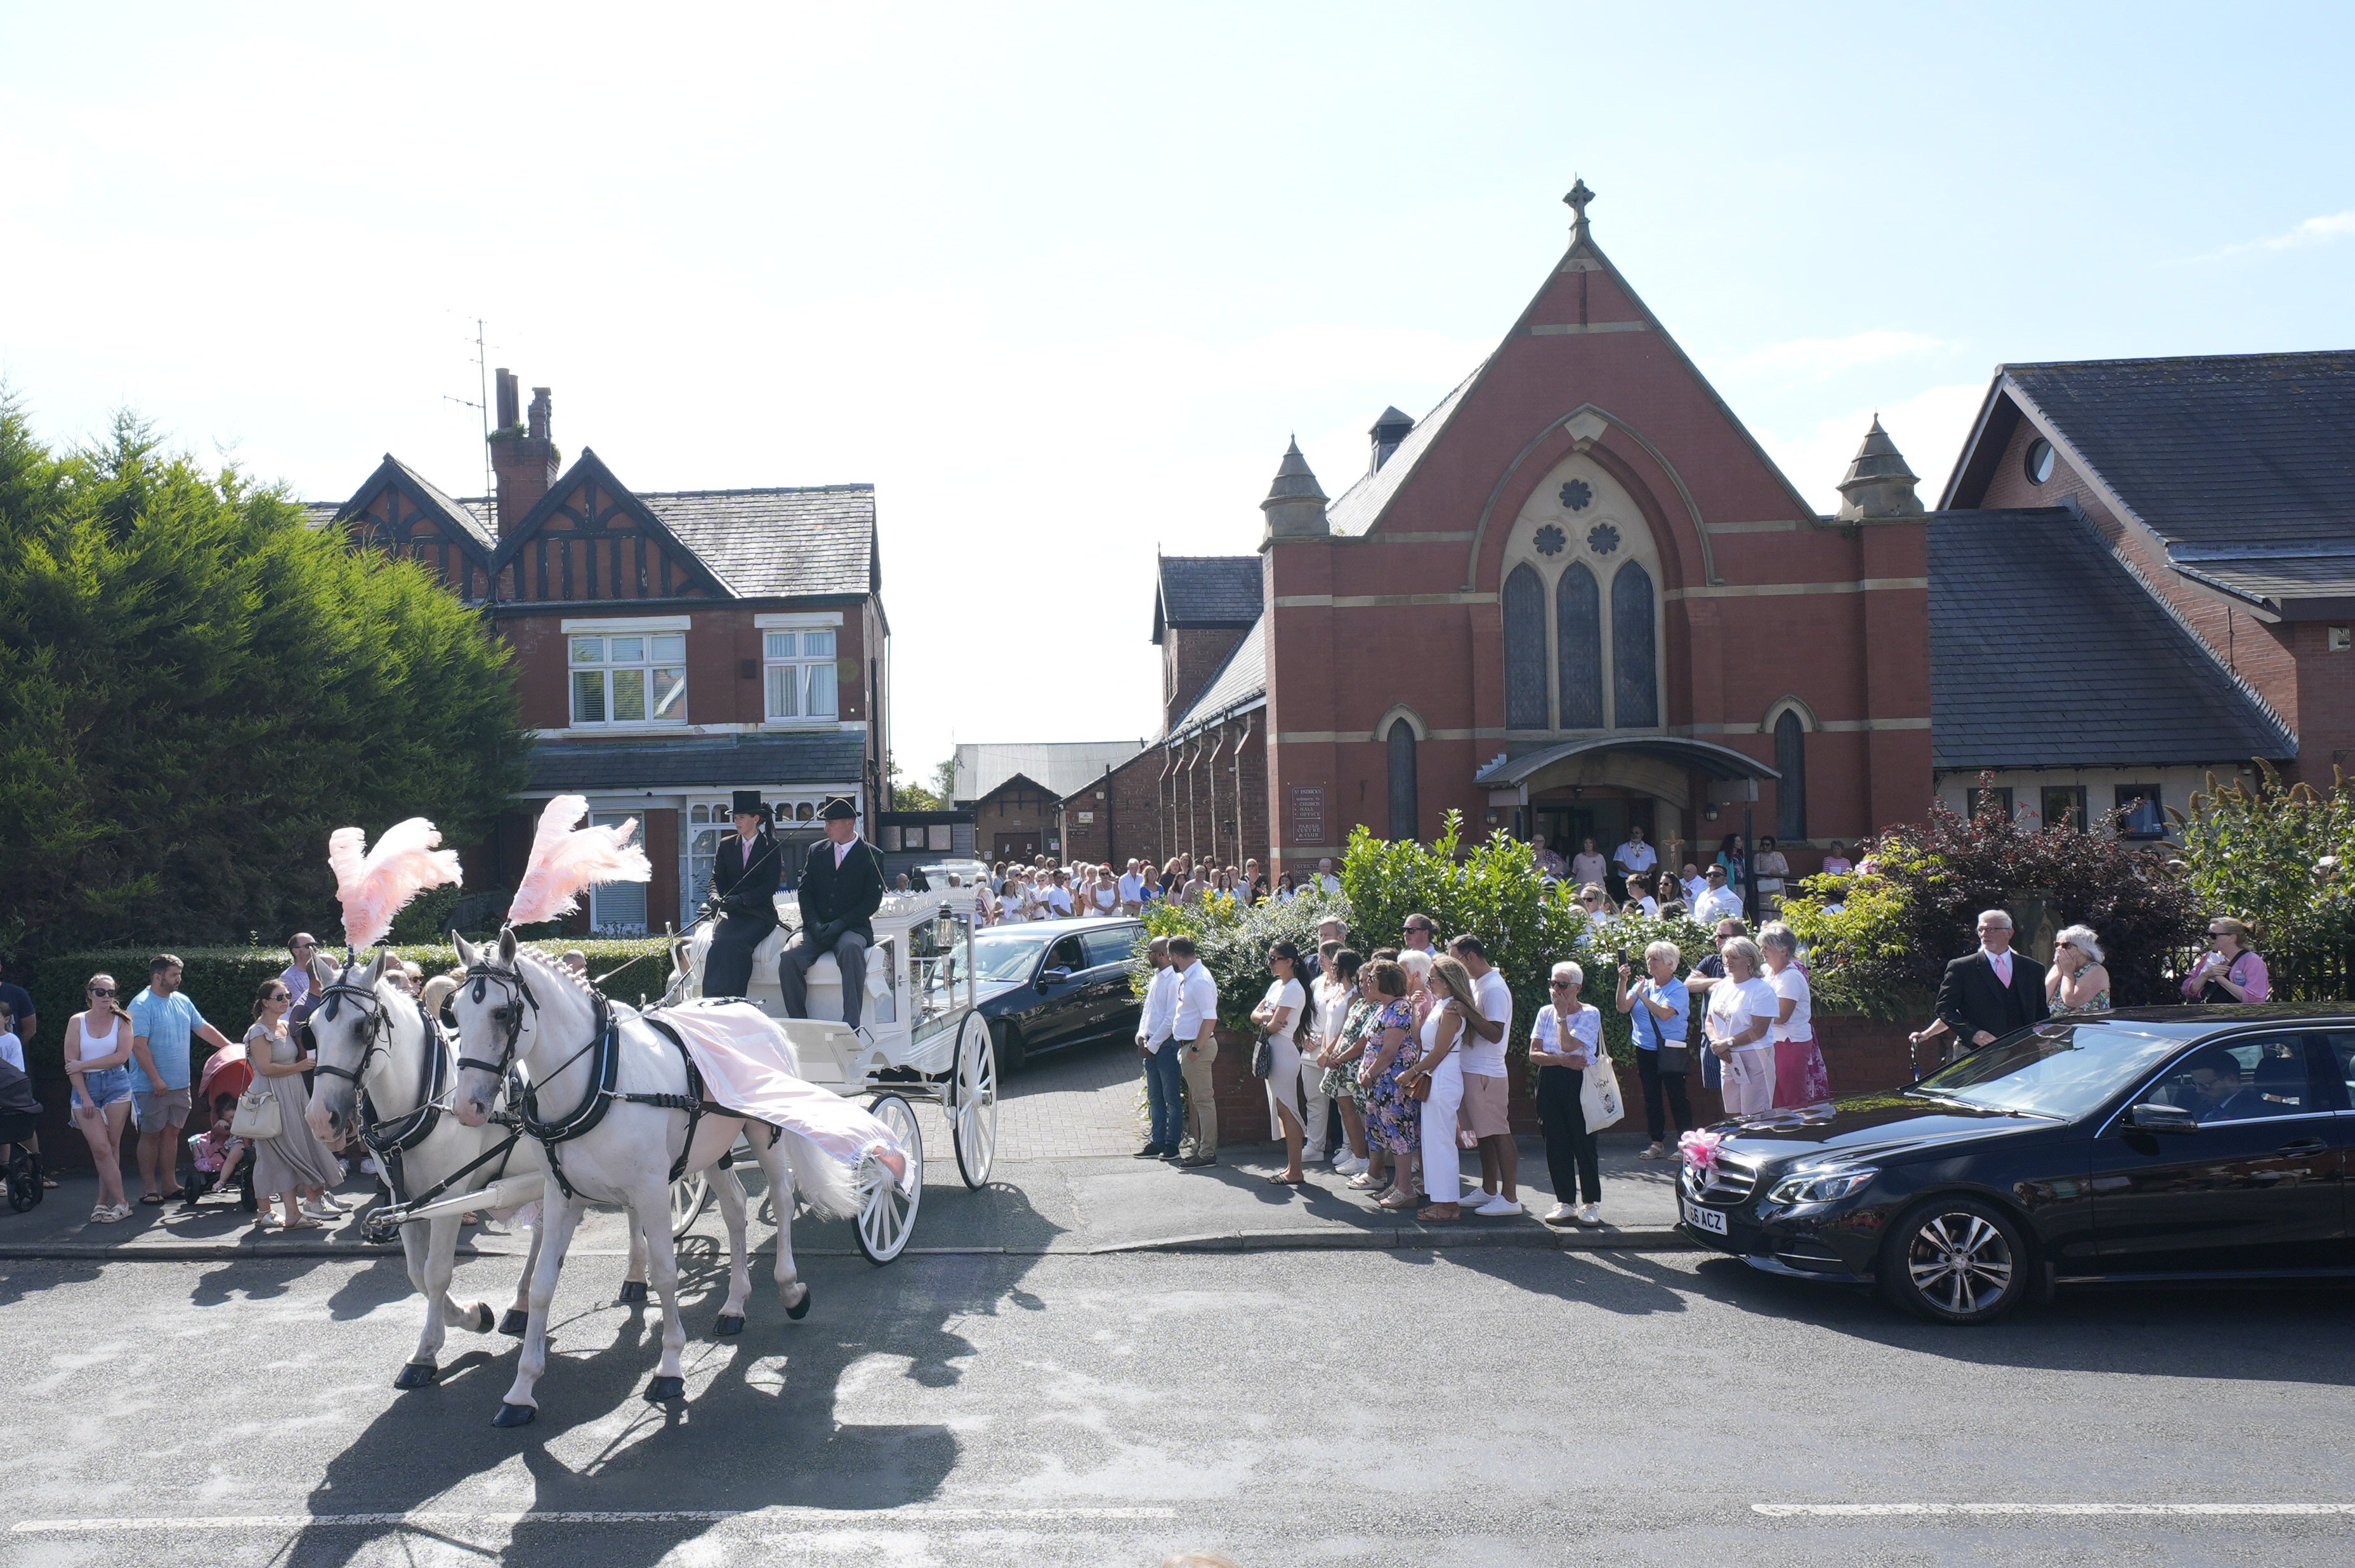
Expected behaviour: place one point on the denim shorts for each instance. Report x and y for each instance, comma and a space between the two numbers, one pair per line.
107, 1086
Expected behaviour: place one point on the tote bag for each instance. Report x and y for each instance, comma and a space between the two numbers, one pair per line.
1598, 1097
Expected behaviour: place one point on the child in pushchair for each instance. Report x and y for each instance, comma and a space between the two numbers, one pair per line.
20, 1119
224, 1162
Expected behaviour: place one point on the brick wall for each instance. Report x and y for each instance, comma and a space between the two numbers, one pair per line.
1190, 655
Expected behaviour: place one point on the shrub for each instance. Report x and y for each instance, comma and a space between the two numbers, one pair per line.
1232, 943
2276, 857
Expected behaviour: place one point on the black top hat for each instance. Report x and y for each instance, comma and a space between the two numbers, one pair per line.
748, 804
838, 810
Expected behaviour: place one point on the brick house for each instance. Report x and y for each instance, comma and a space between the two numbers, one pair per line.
1042, 799
671, 648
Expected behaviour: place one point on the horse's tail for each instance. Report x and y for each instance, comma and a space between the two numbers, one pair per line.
825, 1184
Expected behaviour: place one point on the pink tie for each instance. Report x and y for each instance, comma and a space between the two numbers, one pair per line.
2003, 967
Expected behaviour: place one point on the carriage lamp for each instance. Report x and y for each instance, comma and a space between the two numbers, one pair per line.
944, 927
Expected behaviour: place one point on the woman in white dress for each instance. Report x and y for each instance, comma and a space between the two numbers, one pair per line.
1454, 998
1283, 1017
1740, 1024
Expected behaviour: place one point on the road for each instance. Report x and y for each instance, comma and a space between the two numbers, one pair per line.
1480, 1406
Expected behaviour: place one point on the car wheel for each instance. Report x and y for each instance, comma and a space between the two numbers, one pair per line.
1955, 1260
1010, 1051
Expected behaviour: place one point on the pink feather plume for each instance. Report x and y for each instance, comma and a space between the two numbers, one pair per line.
567, 861
376, 886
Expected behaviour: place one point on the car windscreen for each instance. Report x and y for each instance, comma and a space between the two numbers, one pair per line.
2053, 1070
1007, 957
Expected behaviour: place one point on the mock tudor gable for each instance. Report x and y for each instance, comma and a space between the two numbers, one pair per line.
590, 539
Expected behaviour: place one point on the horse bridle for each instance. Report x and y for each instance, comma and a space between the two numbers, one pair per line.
387, 1141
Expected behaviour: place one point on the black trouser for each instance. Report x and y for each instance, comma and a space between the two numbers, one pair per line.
728, 967
1658, 1084
1570, 1147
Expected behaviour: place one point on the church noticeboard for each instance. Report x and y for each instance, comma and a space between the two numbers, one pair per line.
1307, 815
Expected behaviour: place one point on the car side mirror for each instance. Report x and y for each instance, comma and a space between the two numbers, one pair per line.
2150, 1118
1053, 977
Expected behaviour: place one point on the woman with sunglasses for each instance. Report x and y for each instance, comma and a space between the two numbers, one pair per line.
1561, 1042
97, 1065
294, 1165
2231, 971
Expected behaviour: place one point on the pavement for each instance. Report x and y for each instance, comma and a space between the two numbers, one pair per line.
1406, 1406
1064, 1182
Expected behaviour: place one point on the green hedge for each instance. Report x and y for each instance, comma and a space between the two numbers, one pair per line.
222, 981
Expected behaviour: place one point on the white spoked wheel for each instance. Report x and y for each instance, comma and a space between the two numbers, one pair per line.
887, 1216
974, 1118
688, 1194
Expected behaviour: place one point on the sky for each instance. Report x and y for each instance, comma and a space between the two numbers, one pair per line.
1061, 280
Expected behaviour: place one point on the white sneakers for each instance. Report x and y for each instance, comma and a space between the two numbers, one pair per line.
1500, 1204
1348, 1164
1564, 1214
1560, 1214
1588, 1215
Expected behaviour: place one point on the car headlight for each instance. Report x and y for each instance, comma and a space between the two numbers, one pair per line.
1821, 1187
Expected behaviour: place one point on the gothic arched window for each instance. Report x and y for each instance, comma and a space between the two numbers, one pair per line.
1791, 761
1578, 629
1634, 683
1525, 672
1404, 806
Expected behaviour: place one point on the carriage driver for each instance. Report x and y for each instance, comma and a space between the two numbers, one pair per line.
841, 887
744, 875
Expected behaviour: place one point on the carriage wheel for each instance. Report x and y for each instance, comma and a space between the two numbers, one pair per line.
887, 1217
973, 1118
688, 1194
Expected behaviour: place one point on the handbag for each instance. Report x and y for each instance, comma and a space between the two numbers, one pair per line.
1598, 1097
1674, 1056
1420, 1089
1263, 1057
257, 1115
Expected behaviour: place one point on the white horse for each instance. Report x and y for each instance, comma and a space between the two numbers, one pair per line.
610, 1107
373, 1037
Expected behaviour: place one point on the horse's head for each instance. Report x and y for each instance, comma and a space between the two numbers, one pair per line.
497, 1015
350, 1028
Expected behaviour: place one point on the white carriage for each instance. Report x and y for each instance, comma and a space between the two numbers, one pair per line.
919, 1041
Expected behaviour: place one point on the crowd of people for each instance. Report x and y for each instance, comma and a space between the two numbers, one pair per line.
1014, 893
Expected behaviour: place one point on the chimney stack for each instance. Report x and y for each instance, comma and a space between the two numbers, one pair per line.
1388, 431
523, 457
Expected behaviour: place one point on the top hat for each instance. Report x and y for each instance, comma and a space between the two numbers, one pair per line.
748, 804
838, 810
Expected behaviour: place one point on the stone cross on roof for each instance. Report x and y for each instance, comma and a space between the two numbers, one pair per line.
1577, 200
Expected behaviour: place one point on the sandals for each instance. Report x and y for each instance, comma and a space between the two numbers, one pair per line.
1395, 1200
1361, 1181
153, 1200
108, 1214
305, 1223
1283, 1181
1432, 1216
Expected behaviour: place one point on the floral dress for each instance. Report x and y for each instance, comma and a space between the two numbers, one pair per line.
1343, 1080
1393, 1120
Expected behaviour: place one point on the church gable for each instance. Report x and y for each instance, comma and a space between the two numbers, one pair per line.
591, 540
402, 513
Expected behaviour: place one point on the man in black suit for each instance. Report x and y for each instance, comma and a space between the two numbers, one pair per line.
1993, 991
744, 875
841, 888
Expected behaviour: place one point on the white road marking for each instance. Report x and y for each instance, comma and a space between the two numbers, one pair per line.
1911, 1511
437, 1520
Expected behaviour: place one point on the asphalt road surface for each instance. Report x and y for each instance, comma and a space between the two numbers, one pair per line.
1468, 1407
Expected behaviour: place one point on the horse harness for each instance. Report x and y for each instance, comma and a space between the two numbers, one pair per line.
604, 1052
387, 1141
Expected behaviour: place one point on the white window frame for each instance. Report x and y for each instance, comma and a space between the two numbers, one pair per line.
648, 629
795, 634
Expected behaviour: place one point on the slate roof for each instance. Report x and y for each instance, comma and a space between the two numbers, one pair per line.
2046, 651
693, 760
1206, 591
778, 544
1241, 678
1056, 766
1357, 508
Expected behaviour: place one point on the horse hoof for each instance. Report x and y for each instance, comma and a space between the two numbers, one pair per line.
515, 1415
729, 1323
663, 1389
514, 1322
634, 1292
417, 1375
800, 1309
483, 1317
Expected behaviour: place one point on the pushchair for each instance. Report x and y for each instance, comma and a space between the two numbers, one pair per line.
20, 1119
223, 1164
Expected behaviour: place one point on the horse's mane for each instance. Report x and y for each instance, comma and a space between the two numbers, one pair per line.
548, 964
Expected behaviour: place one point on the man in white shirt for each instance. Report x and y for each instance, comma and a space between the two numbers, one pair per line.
1194, 1037
1164, 1079
1059, 897
1132, 891
1695, 884
1325, 876
1487, 1091
1717, 902
1632, 856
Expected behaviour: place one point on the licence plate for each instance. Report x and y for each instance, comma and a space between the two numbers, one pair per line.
1702, 1219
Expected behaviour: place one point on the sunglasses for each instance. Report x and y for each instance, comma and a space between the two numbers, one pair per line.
276, 996
101, 990
1558, 985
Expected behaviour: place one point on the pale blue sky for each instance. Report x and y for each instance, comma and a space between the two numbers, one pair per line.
1060, 281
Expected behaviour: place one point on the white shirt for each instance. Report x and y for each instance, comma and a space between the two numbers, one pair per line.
1694, 887
1132, 891
1651, 906
1161, 1007
1329, 882
1636, 856
1283, 994
1486, 1057
1733, 1006
1585, 1029
12, 1051
1198, 1003
1333, 998
1059, 900
1715, 904
1790, 986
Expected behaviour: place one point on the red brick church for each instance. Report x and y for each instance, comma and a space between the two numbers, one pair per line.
1577, 596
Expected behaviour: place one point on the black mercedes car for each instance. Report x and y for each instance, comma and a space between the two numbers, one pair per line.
1049, 983
2160, 1144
